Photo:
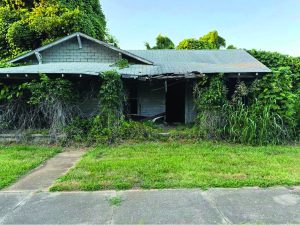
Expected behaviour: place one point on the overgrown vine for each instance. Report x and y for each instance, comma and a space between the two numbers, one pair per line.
42, 103
263, 113
210, 96
106, 125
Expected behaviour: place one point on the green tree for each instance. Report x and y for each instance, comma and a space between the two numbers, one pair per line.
162, 42
7, 18
231, 47
92, 20
192, 44
213, 40
17, 4
25, 25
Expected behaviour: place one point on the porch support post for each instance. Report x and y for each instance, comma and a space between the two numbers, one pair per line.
79, 41
166, 86
239, 77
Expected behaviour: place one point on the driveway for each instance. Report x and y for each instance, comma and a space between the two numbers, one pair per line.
214, 206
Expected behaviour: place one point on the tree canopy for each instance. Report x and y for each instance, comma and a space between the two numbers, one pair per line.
162, 42
17, 4
212, 40
193, 44
231, 47
28, 24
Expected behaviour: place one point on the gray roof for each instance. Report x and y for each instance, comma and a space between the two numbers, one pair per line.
152, 62
165, 66
204, 61
81, 68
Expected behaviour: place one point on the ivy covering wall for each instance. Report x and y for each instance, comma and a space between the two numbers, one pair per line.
263, 112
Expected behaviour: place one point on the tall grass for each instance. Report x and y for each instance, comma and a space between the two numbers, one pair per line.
255, 125
210, 123
240, 123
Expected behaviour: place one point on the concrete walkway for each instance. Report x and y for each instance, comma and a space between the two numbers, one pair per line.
43, 177
193, 206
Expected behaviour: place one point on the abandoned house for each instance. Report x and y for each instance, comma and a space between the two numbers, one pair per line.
157, 82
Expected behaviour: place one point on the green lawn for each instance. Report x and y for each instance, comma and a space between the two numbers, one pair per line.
16, 161
175, 165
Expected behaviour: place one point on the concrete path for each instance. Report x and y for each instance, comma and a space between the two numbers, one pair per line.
43, 177
215, 206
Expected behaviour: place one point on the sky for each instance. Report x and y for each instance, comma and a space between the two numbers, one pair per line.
272, 25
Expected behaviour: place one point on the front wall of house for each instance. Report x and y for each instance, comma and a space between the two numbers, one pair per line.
69, 51
151, 98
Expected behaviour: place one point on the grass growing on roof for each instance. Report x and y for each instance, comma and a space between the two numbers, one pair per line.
17, 160
183, 165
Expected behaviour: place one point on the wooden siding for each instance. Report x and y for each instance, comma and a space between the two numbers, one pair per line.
152, 101
69, 51
151, 98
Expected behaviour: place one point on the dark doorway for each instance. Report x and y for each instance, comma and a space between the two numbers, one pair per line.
132, 100
175, 102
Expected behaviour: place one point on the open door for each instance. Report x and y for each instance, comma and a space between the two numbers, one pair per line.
175, 102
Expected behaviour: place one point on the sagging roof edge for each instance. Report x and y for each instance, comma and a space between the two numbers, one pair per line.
74, 35
131, 76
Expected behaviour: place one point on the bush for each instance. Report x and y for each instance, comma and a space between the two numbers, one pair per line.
54, 100
42, 103
132, 130
276, 90
88, 131
265, 113
275, 60
78, 130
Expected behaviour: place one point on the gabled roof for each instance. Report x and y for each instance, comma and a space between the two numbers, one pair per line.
205, 61
153, 62
78, 34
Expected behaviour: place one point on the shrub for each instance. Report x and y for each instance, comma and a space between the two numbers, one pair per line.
15, 112
263, 114
276, 91
275, 60
88, 131
131, 130
210, 96
54, 99
78, 130
42, 103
